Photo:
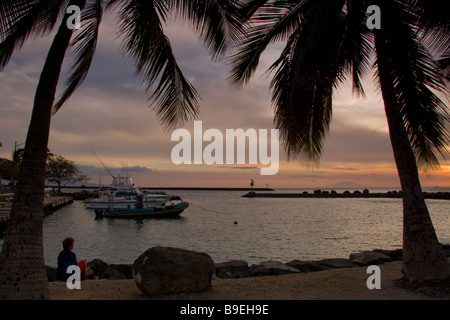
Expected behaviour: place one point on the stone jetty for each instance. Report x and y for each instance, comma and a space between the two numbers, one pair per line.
51, 204
346, 194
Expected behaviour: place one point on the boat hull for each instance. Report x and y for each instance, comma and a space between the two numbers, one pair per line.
125, 204
169, 211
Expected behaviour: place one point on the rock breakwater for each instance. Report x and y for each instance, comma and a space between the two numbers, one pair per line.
346, 194
241, 269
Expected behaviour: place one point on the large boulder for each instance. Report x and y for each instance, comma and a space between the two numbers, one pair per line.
167, 270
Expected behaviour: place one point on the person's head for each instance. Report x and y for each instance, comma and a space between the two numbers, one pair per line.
68, 243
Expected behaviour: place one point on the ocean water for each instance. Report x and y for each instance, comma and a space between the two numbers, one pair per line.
266, 228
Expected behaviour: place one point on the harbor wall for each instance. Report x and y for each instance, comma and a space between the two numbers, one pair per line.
51, 204
346, 194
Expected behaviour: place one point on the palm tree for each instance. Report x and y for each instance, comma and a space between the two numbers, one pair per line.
328, 41
22, 265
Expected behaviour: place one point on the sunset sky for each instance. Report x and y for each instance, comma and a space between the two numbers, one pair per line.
110, 115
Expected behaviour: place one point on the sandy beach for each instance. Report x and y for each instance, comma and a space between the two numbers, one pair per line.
336, 284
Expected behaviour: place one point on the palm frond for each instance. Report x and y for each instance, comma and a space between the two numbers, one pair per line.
174, 97
308, 71
249, 8
43, 13
85, 43
271, 23
110, 4
444, 65
217, 22
302, 113
434, 25
9, 11
357, 44
21, 19
416, 74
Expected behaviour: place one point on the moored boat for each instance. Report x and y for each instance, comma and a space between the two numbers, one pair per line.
166, 211
122, 193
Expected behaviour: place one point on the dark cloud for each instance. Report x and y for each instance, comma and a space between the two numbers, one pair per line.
137, 169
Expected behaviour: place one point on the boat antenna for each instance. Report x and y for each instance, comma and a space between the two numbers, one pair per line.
106, 168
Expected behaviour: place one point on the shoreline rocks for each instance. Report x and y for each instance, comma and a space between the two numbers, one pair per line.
241, 269
232, 269
367, 258
271, 267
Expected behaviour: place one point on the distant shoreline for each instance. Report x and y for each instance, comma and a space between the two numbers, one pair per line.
88, 192
347, 194
92, 192
209, 188
175, 188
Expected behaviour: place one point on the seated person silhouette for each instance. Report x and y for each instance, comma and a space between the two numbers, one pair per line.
67, 258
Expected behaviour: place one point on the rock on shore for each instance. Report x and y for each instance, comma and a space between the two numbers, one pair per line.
166, 270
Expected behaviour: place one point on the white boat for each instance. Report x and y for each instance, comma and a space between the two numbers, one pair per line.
123, 194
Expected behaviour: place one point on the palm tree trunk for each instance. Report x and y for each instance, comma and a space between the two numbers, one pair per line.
423, 256
22, 264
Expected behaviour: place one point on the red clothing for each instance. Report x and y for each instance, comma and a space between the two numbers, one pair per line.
68, 258
82, 266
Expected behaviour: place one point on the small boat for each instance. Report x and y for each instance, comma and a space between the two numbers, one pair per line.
166, 211
123, 194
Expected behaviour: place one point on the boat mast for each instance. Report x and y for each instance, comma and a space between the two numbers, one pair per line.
104, 166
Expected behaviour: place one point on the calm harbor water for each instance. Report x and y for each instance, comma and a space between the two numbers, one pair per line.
267, 228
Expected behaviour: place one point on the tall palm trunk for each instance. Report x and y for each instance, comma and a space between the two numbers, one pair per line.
423, 256
22, 265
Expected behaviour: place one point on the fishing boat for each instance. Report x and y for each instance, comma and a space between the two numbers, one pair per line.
122, 193
166, 211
